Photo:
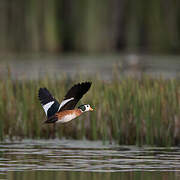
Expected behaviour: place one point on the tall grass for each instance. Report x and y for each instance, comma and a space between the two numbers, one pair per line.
128, 111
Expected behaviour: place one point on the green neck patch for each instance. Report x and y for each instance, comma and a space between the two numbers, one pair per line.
82, 107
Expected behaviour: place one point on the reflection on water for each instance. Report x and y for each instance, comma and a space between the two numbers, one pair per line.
84, 159
57, 175
34, 67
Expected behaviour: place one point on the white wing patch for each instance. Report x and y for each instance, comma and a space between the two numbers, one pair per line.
64, 102
47, 106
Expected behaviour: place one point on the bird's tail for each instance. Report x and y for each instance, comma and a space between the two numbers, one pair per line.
51, 119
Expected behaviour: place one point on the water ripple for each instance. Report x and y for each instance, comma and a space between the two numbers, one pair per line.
85, 156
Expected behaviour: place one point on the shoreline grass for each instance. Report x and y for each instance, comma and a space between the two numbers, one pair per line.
128, 111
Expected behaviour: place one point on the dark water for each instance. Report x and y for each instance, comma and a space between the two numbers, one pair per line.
67, 159
104, 66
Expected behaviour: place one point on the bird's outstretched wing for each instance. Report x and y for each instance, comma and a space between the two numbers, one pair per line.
51, 106
74, 95
48, 102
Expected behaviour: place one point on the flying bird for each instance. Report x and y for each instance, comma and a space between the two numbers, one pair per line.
65, 111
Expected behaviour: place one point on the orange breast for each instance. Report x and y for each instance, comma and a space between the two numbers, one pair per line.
63, 114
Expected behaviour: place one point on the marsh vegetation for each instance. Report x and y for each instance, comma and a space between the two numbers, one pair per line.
128, 111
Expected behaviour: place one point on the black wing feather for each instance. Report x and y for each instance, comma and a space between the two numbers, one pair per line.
46, 97
76, 92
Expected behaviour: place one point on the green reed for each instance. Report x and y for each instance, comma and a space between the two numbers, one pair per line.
127, 111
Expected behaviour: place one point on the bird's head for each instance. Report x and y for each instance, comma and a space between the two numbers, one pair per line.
85, 108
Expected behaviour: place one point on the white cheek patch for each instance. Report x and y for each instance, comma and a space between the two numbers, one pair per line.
47, 106
87, 108
64, 102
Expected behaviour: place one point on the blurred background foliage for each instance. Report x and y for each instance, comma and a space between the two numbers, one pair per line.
89, 26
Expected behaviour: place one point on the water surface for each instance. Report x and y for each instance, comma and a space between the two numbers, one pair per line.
54, 159
104, 66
